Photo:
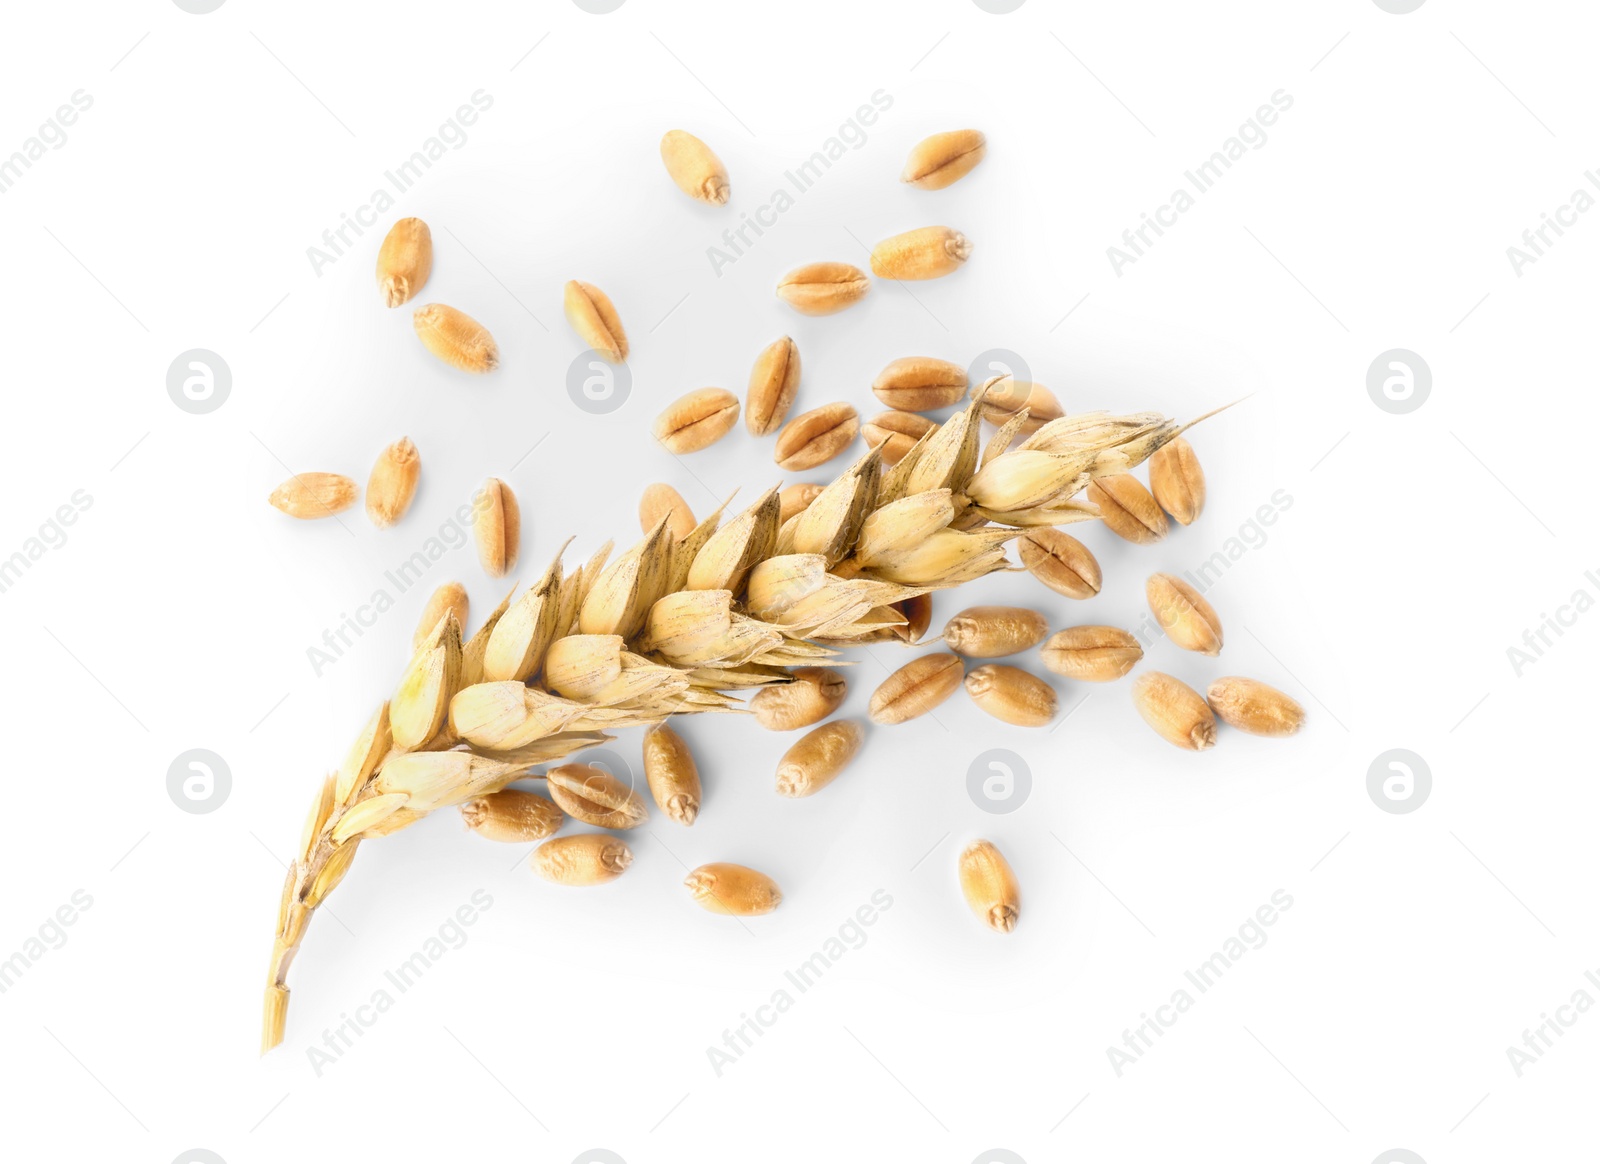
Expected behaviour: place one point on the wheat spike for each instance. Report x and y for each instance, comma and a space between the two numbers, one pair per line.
674, 626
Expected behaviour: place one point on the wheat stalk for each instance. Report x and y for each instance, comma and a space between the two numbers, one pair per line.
675, 623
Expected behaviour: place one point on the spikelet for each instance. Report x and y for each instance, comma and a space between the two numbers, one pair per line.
472, 653
948, 456
418, 707
1025, 479
728, 555
685, 550
625, 590
371, 746
506, 716
1001, 441
829, 525
902, 526
1052, 513
699, 628
434, 779
948, 558
596, 669
778, 583
518, 642
360, 817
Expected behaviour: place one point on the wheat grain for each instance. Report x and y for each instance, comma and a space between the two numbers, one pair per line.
312, 495
816, 758
586, 859
992, 632
1095, 654
823, 288
404, 261
1177, 482
1252, 706
393, 483
736, 890
929, 252
456, 338
774, 381
990, 886
497, 527
671, 773
698, 172
1175, 710
937, 161
596, 322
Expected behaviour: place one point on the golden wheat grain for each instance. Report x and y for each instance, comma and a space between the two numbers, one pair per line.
697, 420
497, 527
312, 495
698, 172
1095, 654
596, 322
774, 381
992, 632
929, 252
823, 288
1181, 611
937, 161
1252, 706
1128, 509
1177, 481
393, 483
456, 338
815, 437
990, 886
815, 760
735, 890
512, 815
1175, 710
671, 773
585, 859
404, 261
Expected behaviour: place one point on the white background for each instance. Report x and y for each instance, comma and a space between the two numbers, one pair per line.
1417, 549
